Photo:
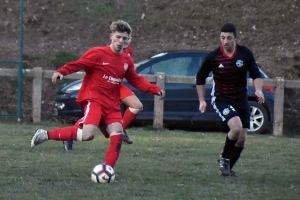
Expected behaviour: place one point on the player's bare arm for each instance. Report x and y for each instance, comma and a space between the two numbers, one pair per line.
57, 75
258, 82
201, 96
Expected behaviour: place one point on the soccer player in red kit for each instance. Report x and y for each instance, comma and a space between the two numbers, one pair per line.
105, 68
128, 98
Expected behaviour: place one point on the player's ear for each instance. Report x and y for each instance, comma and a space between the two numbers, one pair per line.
236, 38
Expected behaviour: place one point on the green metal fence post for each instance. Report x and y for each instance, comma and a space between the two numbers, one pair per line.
20, 71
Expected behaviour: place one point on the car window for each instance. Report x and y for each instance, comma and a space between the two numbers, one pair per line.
141, 62
175, 66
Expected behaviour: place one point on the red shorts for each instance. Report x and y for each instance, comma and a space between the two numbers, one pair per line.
125, 91
94, 114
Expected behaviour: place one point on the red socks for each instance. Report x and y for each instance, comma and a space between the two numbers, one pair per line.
113, 150
67, 133
127, 118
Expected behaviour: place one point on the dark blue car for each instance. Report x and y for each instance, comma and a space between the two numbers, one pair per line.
181, 102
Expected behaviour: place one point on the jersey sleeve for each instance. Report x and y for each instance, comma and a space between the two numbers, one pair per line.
204, 71
139, 82
253, 68
87, 60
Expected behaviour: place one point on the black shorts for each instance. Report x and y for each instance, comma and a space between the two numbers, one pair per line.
227, 109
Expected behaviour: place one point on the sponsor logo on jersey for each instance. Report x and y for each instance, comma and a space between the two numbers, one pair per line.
239, 63
105, 63
125, 66
226, 111
221, 65
111, 79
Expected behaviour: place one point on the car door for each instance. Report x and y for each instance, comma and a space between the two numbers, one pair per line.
181, 101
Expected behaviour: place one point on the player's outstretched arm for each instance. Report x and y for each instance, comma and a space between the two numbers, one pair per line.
87, 60
142, 84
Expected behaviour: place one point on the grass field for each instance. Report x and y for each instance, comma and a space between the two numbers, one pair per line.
159, 165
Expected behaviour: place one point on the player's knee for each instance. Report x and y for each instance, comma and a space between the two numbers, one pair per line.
88, 134
236, 130
136, 110
139, 106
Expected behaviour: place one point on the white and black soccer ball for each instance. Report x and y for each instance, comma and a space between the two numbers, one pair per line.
103, 173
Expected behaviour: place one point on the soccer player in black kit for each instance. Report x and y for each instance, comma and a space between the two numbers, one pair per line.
229, 64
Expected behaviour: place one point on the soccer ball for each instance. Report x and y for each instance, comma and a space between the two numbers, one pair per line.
103, 173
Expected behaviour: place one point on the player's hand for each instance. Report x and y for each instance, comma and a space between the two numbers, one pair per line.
162, 94
57, 75
202, 106
260, 96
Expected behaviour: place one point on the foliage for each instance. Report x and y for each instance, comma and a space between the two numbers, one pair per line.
62, 57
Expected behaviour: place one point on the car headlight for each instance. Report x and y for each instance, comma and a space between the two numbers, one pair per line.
74, 87
60, 106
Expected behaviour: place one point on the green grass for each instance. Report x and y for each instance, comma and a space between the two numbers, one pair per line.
159, 165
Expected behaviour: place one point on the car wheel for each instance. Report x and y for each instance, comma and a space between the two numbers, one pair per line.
258, 118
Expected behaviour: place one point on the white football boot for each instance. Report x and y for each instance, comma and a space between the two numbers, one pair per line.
39, 137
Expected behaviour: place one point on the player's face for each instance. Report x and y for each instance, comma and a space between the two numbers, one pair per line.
127, 43
228, 41
117, 41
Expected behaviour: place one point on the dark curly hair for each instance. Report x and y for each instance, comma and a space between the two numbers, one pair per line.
229, 28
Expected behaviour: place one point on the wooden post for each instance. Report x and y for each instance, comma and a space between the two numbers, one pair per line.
37, 94
278, 105
159, 104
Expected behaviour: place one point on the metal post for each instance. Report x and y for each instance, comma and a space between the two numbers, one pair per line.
20, 71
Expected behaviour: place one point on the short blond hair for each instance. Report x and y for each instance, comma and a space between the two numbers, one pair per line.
120, 26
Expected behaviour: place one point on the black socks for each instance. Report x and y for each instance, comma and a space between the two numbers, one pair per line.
235, 155
229, 145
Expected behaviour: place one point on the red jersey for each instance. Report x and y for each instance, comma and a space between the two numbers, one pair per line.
104, 72
128, 51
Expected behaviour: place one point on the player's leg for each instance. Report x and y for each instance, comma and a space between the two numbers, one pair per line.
84, 130
230, 116
235, 129
134, 107
86, 133
115, 131
237, 150
68, 144
244, 115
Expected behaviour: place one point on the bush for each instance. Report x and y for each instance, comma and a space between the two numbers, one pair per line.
62, 57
